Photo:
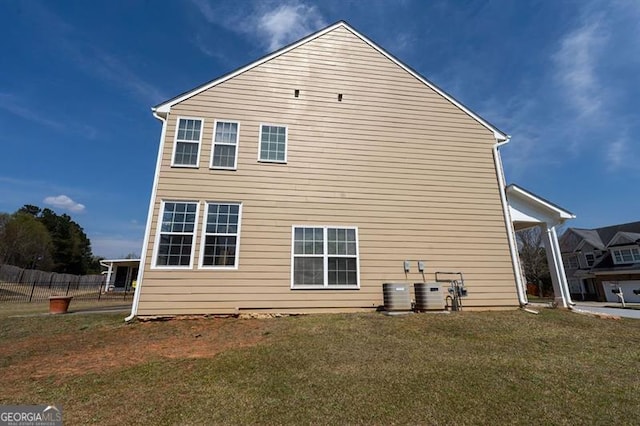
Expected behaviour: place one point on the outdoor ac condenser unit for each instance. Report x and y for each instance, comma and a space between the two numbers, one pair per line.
429, 297
396, 297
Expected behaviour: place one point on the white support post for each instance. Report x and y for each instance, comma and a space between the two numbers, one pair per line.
108, 281
556, 270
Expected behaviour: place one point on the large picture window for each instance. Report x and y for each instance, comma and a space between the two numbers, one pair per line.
273, 143
220, 235
324, 257
177, 228
225, 145
186, 150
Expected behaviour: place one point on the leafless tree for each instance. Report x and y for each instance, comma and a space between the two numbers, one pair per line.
534, 258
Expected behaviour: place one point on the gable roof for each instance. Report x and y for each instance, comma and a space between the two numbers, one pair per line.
603, 237
165, 107
590, 236
625, 238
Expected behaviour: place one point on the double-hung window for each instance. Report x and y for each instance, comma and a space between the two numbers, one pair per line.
174, 247
325, 257
224, 154
220, 236
590, 258
186, 151
273, 143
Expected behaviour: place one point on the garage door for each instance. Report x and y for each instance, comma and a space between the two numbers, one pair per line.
627, 288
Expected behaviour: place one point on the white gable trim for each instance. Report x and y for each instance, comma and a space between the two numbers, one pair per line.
620, 238
528, 207
166, 106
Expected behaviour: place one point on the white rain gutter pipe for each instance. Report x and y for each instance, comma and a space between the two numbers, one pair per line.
515, 259
147, 232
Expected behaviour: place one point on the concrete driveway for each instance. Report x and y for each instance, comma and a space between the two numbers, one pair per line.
605, 308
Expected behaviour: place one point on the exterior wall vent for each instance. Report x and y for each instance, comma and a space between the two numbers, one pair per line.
396, 297
429, 297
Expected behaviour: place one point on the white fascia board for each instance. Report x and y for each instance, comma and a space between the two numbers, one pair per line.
166, 107
531, 198
120, 260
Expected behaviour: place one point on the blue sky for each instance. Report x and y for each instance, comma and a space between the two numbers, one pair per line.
78, 79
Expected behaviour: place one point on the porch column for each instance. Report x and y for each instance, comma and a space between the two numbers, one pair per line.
108, 282
556, 270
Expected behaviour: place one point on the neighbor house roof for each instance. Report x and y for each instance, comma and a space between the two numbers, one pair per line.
590, 236
165, 107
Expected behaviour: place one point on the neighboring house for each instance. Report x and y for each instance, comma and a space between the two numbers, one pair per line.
598, 261
303, 181
120, 273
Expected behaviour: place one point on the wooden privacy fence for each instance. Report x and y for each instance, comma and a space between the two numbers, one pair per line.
29, 285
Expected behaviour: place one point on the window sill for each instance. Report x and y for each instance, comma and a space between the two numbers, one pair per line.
218, 268
272, 161
322, 287
184, 166
233, 169
173, 267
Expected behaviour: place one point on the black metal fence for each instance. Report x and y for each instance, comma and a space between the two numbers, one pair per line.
40, 291
30, 285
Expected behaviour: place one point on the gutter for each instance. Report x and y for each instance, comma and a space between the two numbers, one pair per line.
147, 232
515, 259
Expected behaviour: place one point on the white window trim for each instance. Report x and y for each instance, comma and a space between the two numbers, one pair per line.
586, 259
573, 257
175, 142
156, 244
204, 235
325, 256
636, 258
213, 145
286, 143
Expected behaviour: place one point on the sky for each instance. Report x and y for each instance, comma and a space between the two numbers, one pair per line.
78, 80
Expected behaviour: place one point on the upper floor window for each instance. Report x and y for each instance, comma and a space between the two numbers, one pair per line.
220, 235
625, 255
273, 143
186, 150
174, 246
224, 154
590, 258
571, 261
325, 257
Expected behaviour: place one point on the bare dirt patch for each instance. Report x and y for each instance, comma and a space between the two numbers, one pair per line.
105, 348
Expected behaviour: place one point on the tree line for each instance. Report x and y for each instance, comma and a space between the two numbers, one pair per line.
35, 238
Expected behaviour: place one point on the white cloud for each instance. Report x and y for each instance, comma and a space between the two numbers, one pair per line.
11, 103
287, 23
65, 203
576, 61
273, 24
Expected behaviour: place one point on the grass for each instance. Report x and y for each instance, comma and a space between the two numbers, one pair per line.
465, 368
42, 306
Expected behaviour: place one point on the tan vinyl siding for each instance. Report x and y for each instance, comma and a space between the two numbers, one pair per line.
409, 169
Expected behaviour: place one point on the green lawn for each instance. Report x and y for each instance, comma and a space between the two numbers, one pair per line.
464, 368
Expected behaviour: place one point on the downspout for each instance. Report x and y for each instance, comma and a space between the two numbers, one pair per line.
147, 232
515, 259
